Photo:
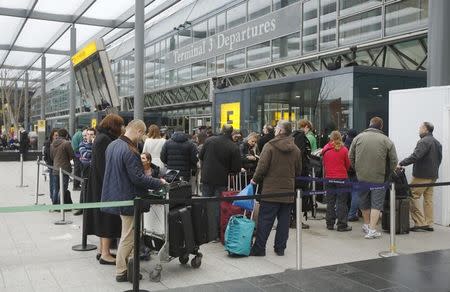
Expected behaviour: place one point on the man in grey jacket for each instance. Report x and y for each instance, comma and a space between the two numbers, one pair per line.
426, 158
373, 157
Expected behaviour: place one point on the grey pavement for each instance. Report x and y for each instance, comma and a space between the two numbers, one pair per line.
36, 255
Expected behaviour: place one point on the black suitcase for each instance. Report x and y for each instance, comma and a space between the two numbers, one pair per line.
181, 232
401, 216
402, 190
179, 190
204, 222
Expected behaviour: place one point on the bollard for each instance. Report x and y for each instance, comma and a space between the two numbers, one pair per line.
84, 246
37, 184
299, 229
61, 200
392, 245
21, 173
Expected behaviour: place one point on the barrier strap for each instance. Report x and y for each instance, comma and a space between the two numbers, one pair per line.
34, 208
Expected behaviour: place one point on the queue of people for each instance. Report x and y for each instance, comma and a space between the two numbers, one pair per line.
118, 170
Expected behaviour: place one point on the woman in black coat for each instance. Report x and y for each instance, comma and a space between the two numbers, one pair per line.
104, 225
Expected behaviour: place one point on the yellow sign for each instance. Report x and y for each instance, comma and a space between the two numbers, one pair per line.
93, 123
84, 53
285, 116
230, 113
41, 125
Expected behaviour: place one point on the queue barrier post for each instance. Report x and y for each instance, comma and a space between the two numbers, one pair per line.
84, 246
299, 229
37, 194
21, 173
392, 243
63, 221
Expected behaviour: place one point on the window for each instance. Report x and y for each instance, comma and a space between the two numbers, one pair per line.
184, 37
171, 77
277, 4
211, 66
221, 22
199, 70
287, 46
310, 26
184, 74
328, 24
235, 60
258, 54
236, 15
257, 8
199, 31
212, 26
406, 16
354, 6
172, 43
220, 64
361, 27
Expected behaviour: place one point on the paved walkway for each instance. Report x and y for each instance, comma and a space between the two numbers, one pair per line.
36, 255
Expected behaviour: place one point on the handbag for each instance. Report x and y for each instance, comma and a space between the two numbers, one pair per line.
246, 204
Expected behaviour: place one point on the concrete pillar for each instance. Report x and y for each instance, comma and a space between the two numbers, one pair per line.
42, 88
139, 60
26, 106
438, 65
72, 93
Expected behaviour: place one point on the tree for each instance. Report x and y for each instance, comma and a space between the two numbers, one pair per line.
11, 107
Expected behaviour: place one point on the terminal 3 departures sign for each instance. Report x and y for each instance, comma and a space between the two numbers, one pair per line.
273, 25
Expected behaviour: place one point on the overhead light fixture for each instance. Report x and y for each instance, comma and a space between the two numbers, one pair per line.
375, 88
297, 96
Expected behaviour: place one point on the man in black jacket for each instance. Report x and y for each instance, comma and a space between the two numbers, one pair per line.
178, 153
427, 157
219, 157
268, 134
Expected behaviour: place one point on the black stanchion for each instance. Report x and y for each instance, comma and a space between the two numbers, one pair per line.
137, 237
84, 246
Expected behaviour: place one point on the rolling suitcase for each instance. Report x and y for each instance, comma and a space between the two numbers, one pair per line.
238, 235
226, 208
401, 216
179, 190
204, 222
181, 232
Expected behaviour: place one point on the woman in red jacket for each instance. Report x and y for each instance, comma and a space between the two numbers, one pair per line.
336, 165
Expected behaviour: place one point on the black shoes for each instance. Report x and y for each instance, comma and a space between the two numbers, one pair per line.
344, 229
305, 226
257, 253
99, 255
421, 228
124, 277
78, 212
330, 227
279, 253
353, 219
104, 262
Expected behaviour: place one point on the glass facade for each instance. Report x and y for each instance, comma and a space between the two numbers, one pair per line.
338, 100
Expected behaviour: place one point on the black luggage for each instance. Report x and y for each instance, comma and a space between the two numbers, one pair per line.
401, 216
181, 232
402, 190
179, 190
205, 223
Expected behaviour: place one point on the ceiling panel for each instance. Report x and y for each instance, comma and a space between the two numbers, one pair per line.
85, 33
63, 43
37, 33
19, 58
51, 60
16, 4
9, 28
58, 7
107, 9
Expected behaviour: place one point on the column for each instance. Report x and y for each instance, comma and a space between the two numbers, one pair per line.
139, 60
72, 93
26, 111
438, 71
43, 87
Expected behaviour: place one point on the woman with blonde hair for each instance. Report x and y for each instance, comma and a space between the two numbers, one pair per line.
153, 145
250, 153
336, 165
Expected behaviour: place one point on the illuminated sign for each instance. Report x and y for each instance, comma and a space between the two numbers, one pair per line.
84, 53
41, 126
230, 113
93, 123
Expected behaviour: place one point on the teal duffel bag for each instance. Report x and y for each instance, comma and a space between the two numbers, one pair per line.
238, 235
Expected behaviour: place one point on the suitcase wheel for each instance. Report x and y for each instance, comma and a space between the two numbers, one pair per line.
184, 259
196, 262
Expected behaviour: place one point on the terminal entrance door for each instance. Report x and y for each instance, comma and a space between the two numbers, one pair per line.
196, 122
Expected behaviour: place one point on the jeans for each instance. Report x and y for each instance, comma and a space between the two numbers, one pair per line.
56, 194
336, 206
268, 211
52, 187
214, 191
353, 213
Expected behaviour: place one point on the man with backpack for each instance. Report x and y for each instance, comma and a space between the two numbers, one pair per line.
303, 143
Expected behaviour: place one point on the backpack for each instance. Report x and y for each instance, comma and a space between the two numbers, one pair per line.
304, 145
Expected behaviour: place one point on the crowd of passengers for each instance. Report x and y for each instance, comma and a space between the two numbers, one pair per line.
120, 161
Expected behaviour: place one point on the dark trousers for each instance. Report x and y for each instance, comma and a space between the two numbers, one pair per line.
56, 192
337, 207
76, 171
85, 169
214, 191
268, 211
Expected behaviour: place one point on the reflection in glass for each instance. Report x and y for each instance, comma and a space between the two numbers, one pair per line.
199, 31
258, 54
361, 27
221, 24
236, 15
328, 24
184, 37
405, 16
310, 26
277, 4
199, 70
184, 74
220, 64
257, 8
211, 66
354, 6
212, 26
286, 47
235, 60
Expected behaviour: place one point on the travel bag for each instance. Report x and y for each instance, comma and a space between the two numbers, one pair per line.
401, 216
181, 190
226, 208
181, 232
204, 222
238, 235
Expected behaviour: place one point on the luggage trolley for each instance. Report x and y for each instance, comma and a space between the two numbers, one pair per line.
156, 230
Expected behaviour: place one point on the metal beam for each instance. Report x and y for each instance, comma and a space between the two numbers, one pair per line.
43, 87
26, 106
73, 50
24, 13
33, 50
139, 60
14, 79
51, 69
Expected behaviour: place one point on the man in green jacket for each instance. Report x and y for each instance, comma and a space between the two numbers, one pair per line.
373, 157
